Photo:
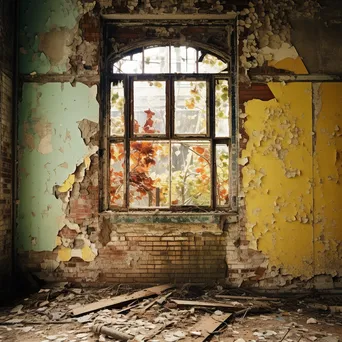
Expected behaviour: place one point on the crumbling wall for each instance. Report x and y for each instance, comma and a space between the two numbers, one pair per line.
277, 179
6, 141
283, 160
51, 149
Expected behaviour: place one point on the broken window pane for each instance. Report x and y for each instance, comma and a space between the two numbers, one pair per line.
156, 60
211, 64
222, 175
149, 107
221, 109
190, 173
117, 174
149, 174
129, 65
190, 107
183, 59
117, 124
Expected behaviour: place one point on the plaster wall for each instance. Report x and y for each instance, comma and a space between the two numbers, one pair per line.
289, 215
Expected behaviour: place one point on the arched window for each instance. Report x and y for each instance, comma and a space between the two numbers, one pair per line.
169, 130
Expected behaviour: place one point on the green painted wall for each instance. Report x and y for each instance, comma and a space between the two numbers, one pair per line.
37, 19
50, 148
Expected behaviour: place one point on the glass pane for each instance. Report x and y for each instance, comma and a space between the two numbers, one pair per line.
117, 125
183, 59
190, 107
211, 64
117, 175
222, 175
149, 107
149, 174
190, 173
129, 65
156, 60
221, 109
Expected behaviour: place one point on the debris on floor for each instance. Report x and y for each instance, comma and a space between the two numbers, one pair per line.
168, 314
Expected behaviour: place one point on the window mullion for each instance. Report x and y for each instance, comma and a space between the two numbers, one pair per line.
172, 106
171, 100
212, 135
128, 90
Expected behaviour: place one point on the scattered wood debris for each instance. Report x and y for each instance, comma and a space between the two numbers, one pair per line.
249, 298
105, 303
206, 326
165, 314
232, 306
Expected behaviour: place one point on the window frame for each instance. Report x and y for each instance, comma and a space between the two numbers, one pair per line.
107, 77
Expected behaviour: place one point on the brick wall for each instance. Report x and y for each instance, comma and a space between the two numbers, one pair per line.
6, 110
139, 258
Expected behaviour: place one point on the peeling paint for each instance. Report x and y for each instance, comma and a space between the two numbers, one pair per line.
278, 177
46, 116
291, 167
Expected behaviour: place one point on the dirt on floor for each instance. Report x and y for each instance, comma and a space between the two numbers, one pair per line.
182, 314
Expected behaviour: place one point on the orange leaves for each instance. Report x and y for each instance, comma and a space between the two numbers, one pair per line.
190, 103
203, 153
194, 91
117, 152
149, 113
199, 149
148, 127
143, 155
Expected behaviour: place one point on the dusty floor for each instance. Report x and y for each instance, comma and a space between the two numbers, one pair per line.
46, 316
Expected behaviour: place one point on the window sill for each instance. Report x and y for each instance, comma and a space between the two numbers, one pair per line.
167, 217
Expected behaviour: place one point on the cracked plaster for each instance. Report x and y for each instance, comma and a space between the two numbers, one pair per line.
275, 163
40, 214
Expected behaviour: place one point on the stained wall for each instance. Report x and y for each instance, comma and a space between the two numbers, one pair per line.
7, 17
288, 229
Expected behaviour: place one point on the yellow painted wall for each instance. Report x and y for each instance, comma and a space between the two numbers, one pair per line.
292, 183
328, 177
278, 179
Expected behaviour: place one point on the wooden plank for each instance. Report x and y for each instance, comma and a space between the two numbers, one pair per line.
249, 298
122, 299
206, 326
207, 304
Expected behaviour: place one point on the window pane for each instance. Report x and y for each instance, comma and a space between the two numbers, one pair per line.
129, 65
156, 60
117, 125
149, 174
183, 59
190, 107
190, 173
222, 175
221, 109
117, 175
211, 64
149, 107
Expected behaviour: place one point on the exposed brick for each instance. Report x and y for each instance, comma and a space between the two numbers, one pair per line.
6, 97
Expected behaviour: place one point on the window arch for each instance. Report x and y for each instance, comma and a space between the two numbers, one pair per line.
170, 59
169, 133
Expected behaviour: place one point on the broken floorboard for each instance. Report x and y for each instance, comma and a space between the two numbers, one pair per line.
105, 303
207, 304
248, 298
206, 326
